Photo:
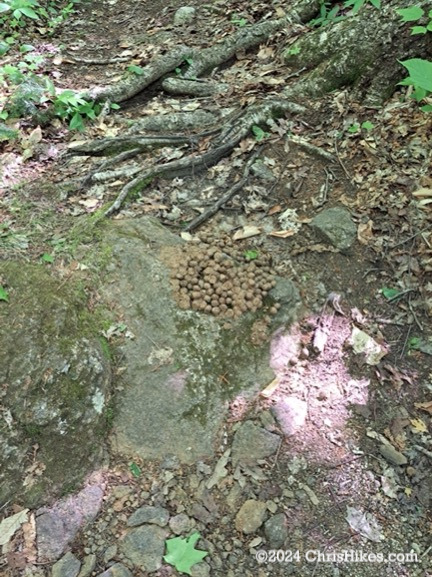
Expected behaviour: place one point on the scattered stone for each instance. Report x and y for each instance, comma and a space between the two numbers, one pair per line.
336, 225
200, 570
56, 526
110, 553
252, 443
393, 456
276, 530
181, 524
251, 516
144, 547
148, 514
185, 15
67, 566
291, 413
116, 570
262, 171
88, 565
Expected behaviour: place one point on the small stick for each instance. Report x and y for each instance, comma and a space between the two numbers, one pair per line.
225, 198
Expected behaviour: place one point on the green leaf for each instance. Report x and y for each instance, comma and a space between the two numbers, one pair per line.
114, 106
76, 122
367, 125
135, 470
26, 48
420, 72
48, 258
410, 14
30, 13
259, 133
251, 254
4, 295
426, 108
354, 128
4, 7
418, 30
135, 69
376, 3
182, 554
390, 293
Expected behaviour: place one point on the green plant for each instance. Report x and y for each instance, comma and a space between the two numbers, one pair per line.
331, 14
413, 14
135, 470
238, 21
259, 133
20, 8
4, 295
181, 553
251, 254
135, 69
420, 78
73, 107
356, 127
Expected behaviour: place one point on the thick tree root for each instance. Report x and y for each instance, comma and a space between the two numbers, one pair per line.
230, 135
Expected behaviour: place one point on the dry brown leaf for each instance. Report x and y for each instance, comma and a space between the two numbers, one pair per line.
274, 209
418, 426
283, 233
270, 388
424, 406
364, 232
423, 192
246, 232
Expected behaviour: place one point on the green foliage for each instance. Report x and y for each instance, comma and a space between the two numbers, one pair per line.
356, 127
358, 4
15, 14
259, 133
419, 70
70, 106
390, 293
420, 77
181, 553
47, 258
332, 14
135, 69
413, 14
238, 21
4, 295
135, 470
251, 254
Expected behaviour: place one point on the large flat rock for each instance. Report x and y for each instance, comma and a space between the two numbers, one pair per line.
182, 367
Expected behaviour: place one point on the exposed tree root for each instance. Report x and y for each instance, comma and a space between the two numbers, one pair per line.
223, 145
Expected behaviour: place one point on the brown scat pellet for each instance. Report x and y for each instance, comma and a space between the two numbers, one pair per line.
273, 310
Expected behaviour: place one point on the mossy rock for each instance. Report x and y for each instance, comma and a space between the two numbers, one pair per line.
54, 385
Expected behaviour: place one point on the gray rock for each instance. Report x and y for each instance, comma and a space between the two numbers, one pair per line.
185, 15
181, 524
252, 443
287, 295
336, 225
263, 172
144, 547
67, 566
109, 553
116, 570
291, 413
393, 456
276, 530
251, 516
200, 570
56, 526
148, 514
88, 565
186, 393
57, 377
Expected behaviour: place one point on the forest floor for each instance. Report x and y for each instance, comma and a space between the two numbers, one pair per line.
382, 284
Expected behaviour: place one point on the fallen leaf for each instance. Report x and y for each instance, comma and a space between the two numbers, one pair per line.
10, 525
247, 232
283, 233
424, 406
418, 426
